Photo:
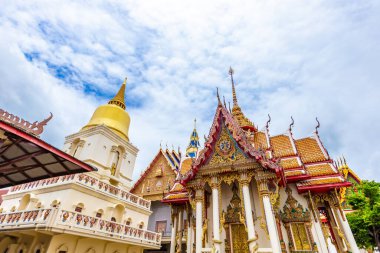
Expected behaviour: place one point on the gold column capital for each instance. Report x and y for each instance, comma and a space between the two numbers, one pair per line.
215, 182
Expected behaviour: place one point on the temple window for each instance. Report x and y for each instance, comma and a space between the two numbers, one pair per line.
116, 155
76, 146
99, 213
113, 219
55, 203
141, 225
128, 222
79, 207
297, 221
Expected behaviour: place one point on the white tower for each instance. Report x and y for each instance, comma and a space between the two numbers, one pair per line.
104, 142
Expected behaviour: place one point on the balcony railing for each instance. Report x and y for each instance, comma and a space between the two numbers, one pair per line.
88, 181
77, 222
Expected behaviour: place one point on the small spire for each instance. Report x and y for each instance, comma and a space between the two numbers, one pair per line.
231, 73
195, 123
318, 125
119, 97
291, 124
268, 121
344, 160
224, 102
229, 106
217, 95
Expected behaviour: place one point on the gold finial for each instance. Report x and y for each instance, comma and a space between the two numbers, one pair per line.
231, 73
119, 97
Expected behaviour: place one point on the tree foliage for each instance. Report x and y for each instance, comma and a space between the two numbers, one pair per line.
365, 220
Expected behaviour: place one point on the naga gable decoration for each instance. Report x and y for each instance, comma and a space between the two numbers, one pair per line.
35, 128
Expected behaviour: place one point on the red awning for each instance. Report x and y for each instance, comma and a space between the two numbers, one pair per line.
25, 158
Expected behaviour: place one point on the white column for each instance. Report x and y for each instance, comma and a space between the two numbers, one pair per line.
316, 224
189, 234
215, 214
174, 233
273, 236
323, 248
180, 229
347, 231
198, 226
248, 213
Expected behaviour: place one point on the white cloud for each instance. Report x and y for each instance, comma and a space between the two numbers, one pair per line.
290, 58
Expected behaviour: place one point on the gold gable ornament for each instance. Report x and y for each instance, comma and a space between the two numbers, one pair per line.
297, 221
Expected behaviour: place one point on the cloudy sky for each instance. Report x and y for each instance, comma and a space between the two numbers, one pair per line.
291, 58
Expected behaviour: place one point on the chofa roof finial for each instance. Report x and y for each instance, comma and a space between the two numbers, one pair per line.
217, 95
268, 121
318, 125
291, 124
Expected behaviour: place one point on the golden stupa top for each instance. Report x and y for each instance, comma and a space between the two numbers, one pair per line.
242, 120
119, 97
113, 115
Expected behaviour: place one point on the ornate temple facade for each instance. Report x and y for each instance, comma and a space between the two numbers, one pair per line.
87, 212
153, 184
247, 190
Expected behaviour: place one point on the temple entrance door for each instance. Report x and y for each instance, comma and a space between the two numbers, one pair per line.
239, 238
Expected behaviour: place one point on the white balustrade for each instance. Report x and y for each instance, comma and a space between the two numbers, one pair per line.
69, 220
107, 228
38, 216
84, 180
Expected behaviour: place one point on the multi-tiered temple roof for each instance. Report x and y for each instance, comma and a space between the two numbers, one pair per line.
304, 161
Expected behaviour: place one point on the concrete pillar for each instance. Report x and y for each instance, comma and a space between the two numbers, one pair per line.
347, 231
244, 184
174, 232
198, 219
215, 185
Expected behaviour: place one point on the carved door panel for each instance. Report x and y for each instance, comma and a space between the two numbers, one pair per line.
239, 239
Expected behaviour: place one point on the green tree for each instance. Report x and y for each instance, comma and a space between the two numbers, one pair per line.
365, 220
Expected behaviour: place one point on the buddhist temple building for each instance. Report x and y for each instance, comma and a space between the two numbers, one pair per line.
153, 184
351, 177
247, 190
52, 208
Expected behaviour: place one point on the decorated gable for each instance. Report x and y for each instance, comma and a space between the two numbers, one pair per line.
157, 179
226, 149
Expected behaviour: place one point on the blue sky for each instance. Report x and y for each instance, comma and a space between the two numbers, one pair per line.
291, 58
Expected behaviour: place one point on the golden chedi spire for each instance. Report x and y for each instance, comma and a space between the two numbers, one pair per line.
119, 97
112, 115
239, 116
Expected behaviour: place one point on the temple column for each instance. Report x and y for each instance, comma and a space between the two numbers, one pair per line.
215, 185
189, 237
346, 228
174, 231
269, 217
180, 229
316, 224
198, 219
244, 184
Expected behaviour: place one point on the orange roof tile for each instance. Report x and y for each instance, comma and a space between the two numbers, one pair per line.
324, 180
186, 166
260, 140
290, 173
289, 163
181, 195
320, 169
309, 150
177, 187
281, 146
